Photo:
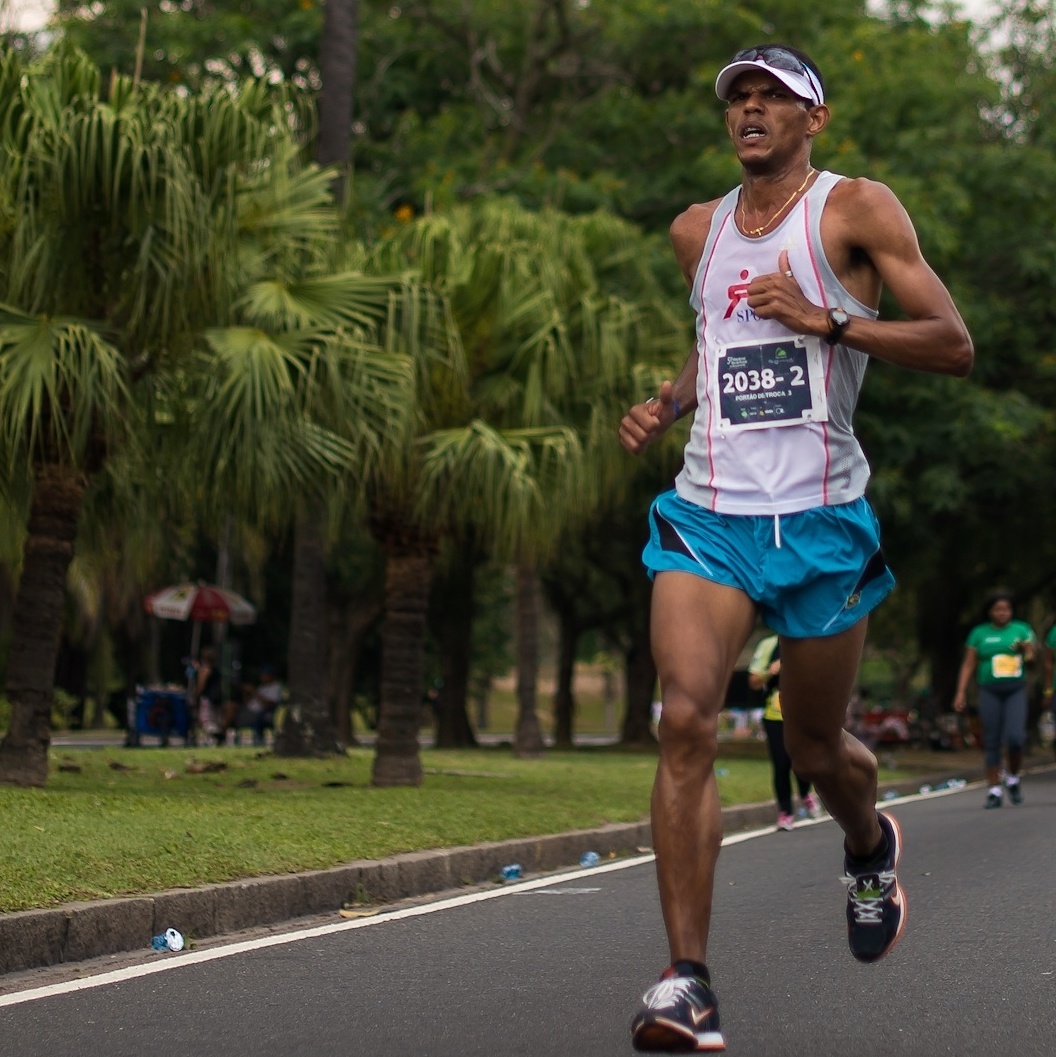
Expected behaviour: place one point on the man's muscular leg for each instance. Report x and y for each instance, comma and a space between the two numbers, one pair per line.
817, 679
698, 630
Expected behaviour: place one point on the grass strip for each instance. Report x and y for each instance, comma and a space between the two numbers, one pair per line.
117, 822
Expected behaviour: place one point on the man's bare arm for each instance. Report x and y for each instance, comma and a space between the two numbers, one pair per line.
649, 420
867, 217
688, 233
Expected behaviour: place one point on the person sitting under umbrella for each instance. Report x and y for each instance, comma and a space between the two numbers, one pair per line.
262, 701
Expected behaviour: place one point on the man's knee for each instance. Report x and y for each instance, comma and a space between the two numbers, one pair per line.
688, 730
817, 758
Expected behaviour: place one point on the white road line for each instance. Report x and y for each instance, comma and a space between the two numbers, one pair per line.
564, 891
133, 972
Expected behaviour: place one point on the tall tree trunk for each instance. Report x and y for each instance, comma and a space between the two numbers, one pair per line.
313, 731
129, 638
641, 685
308, 729
940, 632
396, 757
564, 693
348, 624
337, 64
528, 739
339, 665
454, 633
58, 496
100, 651
7, 600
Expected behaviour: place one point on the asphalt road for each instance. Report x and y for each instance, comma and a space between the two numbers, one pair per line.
557, 969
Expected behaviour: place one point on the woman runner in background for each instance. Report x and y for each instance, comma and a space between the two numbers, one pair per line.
996, 653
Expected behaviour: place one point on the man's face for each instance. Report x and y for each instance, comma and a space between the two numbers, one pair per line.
765, 119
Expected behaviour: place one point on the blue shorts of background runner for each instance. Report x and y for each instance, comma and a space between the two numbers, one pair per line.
814, 573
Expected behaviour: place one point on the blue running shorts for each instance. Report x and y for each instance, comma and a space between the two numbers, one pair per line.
813, 573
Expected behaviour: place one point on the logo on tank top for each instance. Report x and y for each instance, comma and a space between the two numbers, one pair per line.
737, 293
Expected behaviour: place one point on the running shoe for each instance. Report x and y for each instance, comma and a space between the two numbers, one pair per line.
679, 1014
993, 800
785, 822
1015, 791
876, 904
812, 805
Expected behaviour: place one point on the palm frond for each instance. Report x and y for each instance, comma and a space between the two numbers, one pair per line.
342, 299
63, 388
514, 485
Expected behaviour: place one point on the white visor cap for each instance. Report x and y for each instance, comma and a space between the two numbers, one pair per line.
805, 84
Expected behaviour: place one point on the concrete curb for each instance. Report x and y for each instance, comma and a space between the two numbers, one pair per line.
78, 931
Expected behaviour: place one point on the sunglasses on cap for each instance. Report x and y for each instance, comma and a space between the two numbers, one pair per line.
781, 59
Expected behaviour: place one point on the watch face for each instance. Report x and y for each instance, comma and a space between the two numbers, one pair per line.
839, 317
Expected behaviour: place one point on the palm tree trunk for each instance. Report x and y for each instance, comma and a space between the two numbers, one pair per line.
940, 603
308, 729
7, 601
348, 624
337, 64
454, 633
528, 740
407, 576
641, 684
58, 496
564, 694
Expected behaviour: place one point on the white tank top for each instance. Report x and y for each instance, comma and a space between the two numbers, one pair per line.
772, 432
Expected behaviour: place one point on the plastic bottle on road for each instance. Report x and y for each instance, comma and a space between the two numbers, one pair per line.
589, 858
510, 872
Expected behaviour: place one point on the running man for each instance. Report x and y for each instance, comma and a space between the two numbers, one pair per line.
768, 515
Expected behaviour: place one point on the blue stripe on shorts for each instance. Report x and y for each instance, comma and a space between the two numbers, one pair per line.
827, 573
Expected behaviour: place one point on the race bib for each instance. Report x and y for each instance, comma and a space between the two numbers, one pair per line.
1007, 666
775, 383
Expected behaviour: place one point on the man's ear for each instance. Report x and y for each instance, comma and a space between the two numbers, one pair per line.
819, 118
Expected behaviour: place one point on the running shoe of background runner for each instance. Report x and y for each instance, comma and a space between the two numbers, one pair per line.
785, 822
876, 904
679, 1014
1015, 792
812, 806
993, 800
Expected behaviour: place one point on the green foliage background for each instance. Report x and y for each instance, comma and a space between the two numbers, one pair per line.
608, 105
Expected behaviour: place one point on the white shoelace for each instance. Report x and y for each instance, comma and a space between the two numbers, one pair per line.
868, 903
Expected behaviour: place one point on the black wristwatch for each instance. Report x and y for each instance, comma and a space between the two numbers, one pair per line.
838, 323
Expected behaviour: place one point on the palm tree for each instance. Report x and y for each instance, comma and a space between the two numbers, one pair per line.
593, 320
297, 393
122, 209
490, 458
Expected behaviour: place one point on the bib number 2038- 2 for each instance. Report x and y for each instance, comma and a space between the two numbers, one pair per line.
774, 383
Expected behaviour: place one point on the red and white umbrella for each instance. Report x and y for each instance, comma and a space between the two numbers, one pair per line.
200, 602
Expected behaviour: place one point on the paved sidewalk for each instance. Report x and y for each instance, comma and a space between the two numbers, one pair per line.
79, 931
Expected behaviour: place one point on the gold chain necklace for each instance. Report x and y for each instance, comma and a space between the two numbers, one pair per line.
783, 207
